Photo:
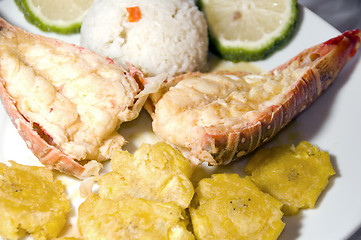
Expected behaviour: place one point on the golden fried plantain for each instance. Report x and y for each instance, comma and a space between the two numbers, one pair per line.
155, 172
229, 207
69, 238
31, 201
131, 218
294, 175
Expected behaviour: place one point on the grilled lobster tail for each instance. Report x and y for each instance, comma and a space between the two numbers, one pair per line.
320, 66
229, 114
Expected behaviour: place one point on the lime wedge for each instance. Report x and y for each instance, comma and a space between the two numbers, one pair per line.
247, 30
60, 16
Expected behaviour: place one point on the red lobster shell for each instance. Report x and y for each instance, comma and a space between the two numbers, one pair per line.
311, 72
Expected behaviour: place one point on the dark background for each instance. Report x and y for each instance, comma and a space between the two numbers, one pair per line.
342, 14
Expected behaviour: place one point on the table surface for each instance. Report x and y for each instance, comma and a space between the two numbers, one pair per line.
342, 14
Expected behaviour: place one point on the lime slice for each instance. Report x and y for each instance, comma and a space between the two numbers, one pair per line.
249, 29
60, 16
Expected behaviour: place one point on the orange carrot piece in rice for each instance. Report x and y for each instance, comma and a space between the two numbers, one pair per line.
134, 14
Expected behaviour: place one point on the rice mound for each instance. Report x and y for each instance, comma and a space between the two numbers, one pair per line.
171, 36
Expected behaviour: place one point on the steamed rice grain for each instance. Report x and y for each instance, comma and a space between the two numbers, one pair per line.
171, 36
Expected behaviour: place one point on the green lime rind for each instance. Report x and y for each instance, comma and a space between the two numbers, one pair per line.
35, 20
237, 54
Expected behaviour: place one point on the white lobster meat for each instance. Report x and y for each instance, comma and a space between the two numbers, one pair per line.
66, 102
217, 117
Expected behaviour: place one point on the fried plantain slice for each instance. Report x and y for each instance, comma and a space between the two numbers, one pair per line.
294, 175
229, 207
155, 172
31, 201
131, 218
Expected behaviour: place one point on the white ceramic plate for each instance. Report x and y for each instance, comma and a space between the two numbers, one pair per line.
333, 123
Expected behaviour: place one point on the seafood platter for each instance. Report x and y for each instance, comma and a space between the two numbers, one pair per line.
76, 128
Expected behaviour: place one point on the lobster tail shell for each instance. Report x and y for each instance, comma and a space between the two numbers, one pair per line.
321, 65
47, 154
35, 139
75, 103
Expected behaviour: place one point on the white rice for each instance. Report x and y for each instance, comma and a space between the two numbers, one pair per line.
171, 36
